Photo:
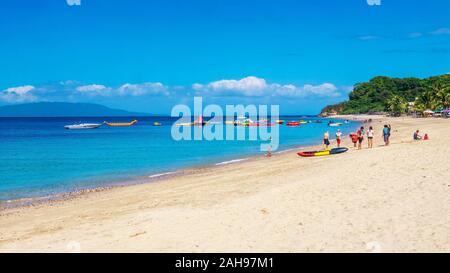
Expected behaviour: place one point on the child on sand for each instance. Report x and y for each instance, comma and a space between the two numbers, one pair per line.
354, 138
370, 137
338, 138
326, 140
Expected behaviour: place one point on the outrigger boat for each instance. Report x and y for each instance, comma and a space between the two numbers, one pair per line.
120, 124
82, 126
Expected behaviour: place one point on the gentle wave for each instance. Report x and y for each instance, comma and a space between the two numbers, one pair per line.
161, 174
230, 161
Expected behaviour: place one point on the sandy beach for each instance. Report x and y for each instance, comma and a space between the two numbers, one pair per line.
387, 199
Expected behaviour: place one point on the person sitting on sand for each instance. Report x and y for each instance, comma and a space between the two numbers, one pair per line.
360, 134
370, 137
338, 138
326, 140
426, 137
417, 136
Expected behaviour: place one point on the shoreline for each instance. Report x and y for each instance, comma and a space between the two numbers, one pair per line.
396, 197
141, 180
148, 179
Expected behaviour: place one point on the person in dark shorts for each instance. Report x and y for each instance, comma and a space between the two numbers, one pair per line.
326, 140
360, 134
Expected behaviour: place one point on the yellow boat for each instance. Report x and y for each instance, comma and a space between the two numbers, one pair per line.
120, 124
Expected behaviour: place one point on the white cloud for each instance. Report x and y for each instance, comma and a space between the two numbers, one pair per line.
148, 88
249, 86
18, 94
91, 88
257, 87
20, 90
73, 2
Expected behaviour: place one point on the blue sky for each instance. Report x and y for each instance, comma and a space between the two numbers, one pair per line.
149, 55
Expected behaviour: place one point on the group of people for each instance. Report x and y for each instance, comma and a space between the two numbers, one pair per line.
417, 136
358, 137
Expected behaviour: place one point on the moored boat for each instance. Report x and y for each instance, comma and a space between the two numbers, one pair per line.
82, 126
293, 124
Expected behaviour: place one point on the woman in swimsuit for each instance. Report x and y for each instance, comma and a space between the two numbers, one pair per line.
370, 137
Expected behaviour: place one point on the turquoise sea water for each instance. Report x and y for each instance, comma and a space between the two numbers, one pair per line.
38, 157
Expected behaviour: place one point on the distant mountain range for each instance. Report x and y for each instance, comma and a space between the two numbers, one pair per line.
62, 109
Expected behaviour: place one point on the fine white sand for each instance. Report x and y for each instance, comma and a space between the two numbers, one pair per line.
388, 199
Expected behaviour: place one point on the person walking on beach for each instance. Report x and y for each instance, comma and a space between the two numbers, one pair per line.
386, 135
370, 137
269, 149
389, 133
354, 138
338, 138
326, 140
360, 134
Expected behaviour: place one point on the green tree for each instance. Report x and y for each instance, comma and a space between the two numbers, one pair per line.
427, 99
397, 105
441, 96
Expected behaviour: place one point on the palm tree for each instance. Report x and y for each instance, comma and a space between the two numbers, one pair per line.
397, 105
427, 99
442, 97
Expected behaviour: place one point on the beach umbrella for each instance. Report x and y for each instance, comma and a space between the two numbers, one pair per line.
447, 111
428, 112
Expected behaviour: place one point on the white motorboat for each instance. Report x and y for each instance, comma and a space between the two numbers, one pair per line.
82, 126
334, 124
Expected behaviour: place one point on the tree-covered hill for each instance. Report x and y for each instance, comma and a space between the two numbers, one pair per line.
384, 94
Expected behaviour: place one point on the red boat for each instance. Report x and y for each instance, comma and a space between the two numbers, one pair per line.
293, 123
